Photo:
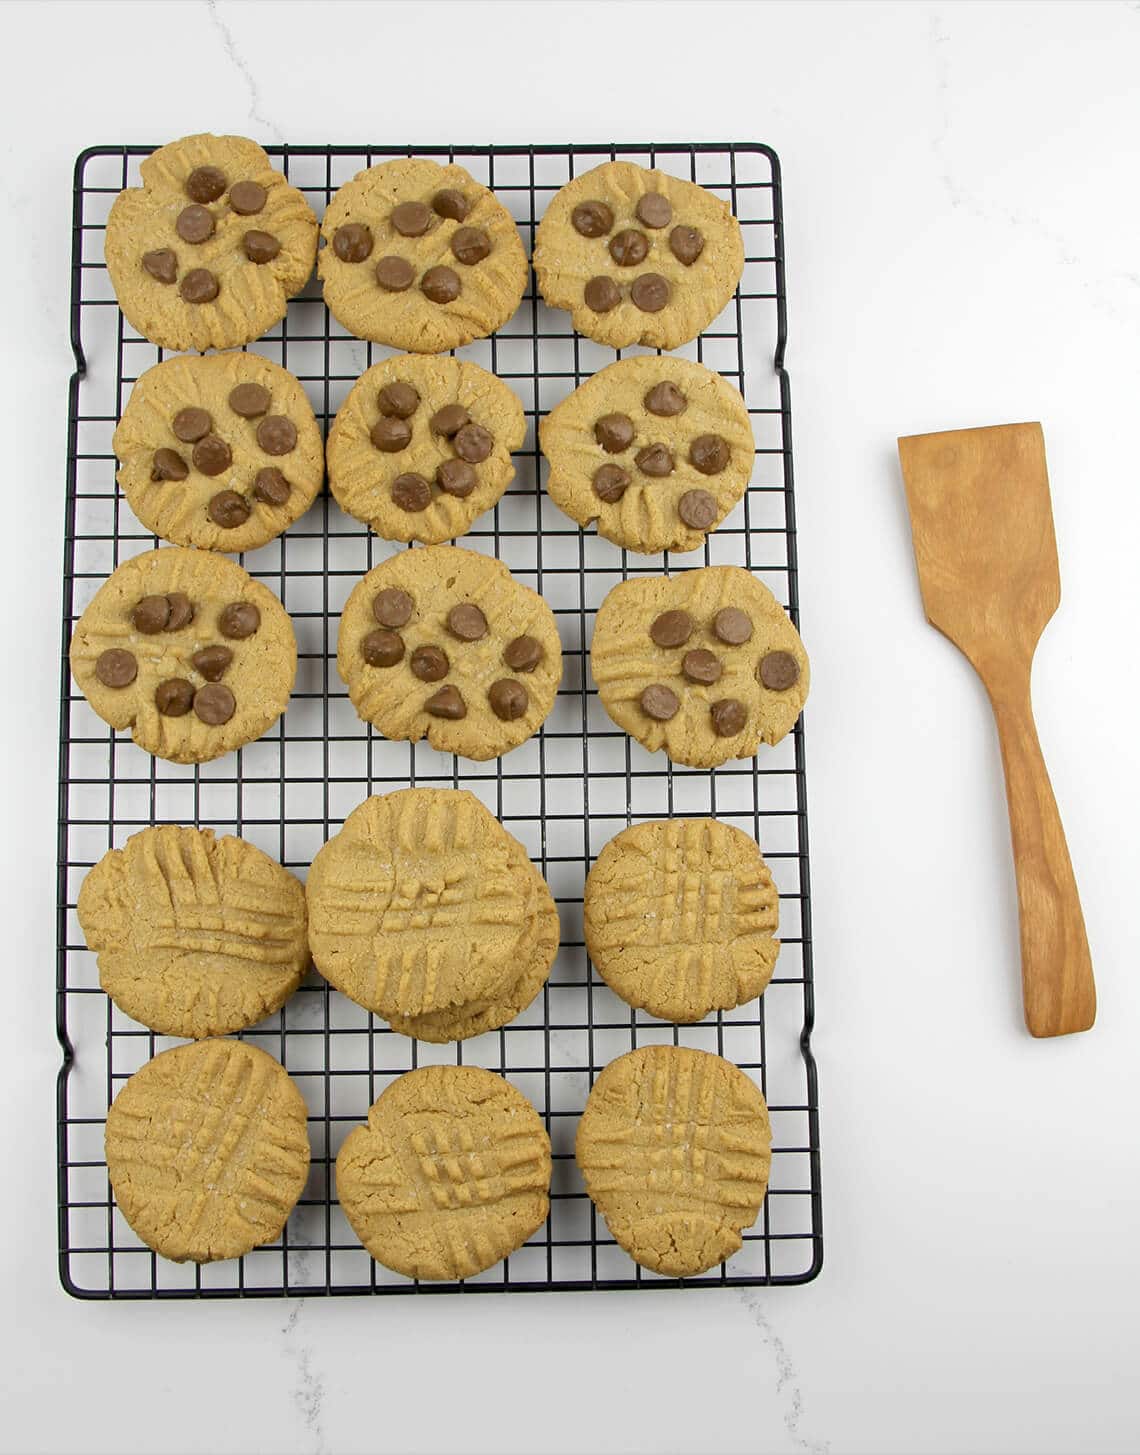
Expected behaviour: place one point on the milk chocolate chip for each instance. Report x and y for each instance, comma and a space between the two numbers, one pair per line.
228, 509
610, 483
601, 294
592, 219
650, 292
470, 245
151, 615
212, 662
398, 400
246, 198
181, 610
654, 460
270, 486
395, 274
214, 704
449, 420
700, 665
238, 620
116, 668
161, 264
629, 247
168, 465
352, 242
174, 697
473, 443
457, 477
665, 400
686, 244
654, 210
429, 664
728, 717
392, 607
411, 219
194, 224
466, 622
509, 699
697, 508
447, 702
382, 648
260, 247
523, 654
671, 628
189, 425
614, 432
251, 401
390, 434
779, 671
440, 285
205, 184
660, 702
212, 455
447, 202
199, 286
411, 492
277, 434
732, 625
709, 454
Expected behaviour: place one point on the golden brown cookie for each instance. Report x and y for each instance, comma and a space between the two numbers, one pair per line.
674, 1146
421, 257
208, 1150
445, 644
637, 257
422, 446
208, 251
657, 450
186, 650
705, 664
222, 451
680, 916
195, 936
451, 1174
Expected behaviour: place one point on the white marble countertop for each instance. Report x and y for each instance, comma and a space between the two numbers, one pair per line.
963, 234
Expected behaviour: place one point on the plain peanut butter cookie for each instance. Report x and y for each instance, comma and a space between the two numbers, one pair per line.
209, 250
450, 1175
674, 1146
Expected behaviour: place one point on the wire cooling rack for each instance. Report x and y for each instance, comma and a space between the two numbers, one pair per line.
563, 794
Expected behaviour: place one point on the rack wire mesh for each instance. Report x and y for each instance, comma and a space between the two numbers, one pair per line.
564, 793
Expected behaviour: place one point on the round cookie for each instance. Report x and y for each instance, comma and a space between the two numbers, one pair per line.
188, 651
657, 450
419, 903
680, 916
637, 257
207, 1150
675, 1146
221, 451
705, 664
195, 936
208, 251
445, 644
420, 257
422, 446
450, 1175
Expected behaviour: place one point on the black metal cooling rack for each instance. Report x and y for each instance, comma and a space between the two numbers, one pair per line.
564, 793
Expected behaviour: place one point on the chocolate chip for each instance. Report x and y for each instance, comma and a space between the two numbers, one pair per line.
151, 615
228, 509
411, 219
116, 668
629, 247
654, 209
398, 400
509, 699
447, 202
214, 704
650, 292
352, 242
457, 477
271, 487
448, 703
709, 454
161, 264
686, 244
665, 400
260, 247
168, 465
671, 628
212, 662
206, 184
697, 508
238, 620
174, 697
411, 492
610, 483
728, 717
732, 625
181, 610
390, 434
392, 607
473, 443
395, 274
523, 654
592, 219
778, 671
194, 224
246, 198
199, 286
191, 424
701, 666
382, 648
212, 455
470, 245
277, 434
429, 664
660, 702
449, 420
601, 294
654, 460
249, 400
614, 432
440, 285
466, 622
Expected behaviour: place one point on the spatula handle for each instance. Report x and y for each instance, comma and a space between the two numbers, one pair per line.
1056, 969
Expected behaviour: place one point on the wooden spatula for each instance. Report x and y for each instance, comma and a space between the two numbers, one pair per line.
987, 565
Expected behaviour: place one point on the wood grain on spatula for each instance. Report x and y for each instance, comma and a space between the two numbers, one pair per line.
982, 524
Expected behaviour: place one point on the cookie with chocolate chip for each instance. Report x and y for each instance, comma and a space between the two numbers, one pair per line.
208, 251
186, 650
221, 451
420, 257
705, 664
637, 256
445, 644
422, 446
656, 450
